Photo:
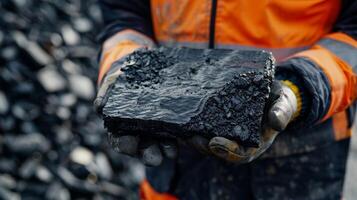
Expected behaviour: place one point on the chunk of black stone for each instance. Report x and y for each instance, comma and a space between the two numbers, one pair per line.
70, 36
28, 168
25, 111
56, 191
81, 86
181, 92
7, 194
43, 174
7, 165
74, 183
7, 123
33, 189
32, 48
112, 189
103, 167
4, 105
51, 80
7, 181
26, 144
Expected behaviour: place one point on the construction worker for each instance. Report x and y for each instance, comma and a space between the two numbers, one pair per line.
305, 140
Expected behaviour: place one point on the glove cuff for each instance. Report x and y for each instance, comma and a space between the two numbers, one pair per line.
118, 46
117, 52
297, 87
297, 94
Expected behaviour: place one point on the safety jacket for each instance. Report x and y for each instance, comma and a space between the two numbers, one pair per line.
315, 40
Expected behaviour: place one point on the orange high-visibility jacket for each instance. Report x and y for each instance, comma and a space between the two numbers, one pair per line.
314, 42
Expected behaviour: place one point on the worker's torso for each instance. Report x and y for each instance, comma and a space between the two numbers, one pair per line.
281, 26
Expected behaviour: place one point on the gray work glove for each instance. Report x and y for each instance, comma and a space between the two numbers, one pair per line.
282, 109
150, 151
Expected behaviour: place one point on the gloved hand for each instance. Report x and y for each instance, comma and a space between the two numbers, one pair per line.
114, 50
150, 151
281, 110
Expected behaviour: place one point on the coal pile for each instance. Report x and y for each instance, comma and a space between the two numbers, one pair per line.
182, 92
52, 144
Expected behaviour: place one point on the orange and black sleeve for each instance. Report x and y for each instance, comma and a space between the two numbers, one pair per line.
328, 69
128, 28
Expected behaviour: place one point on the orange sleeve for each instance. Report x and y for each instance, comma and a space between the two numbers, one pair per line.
120, 45
336, 55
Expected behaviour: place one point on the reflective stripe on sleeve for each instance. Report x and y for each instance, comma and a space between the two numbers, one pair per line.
339, 75
120, 45
345, 51
128, 35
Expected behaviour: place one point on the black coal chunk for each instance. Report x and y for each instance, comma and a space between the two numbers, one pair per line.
180, 92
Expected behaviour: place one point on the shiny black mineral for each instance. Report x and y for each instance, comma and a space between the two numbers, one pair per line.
181, 92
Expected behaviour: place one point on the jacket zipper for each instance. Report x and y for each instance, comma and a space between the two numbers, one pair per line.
212, 25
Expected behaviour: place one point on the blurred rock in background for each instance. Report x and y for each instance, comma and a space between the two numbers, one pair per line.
52, 144
350, 186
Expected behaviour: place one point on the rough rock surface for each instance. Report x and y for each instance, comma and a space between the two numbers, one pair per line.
181, 92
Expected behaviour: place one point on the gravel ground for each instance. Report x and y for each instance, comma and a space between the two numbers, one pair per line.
52, 143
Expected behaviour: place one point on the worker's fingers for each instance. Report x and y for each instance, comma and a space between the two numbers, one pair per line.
101, 97
282, 111
200, 143
150, 151
151, 155
126, 144
169, 148
231, 151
